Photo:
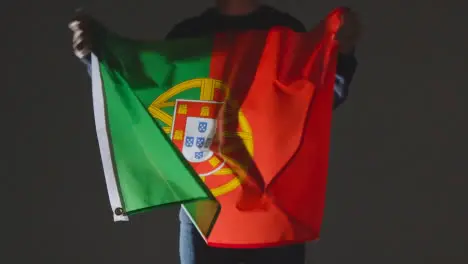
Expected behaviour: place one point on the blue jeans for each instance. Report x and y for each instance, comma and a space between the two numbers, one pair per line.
193, 250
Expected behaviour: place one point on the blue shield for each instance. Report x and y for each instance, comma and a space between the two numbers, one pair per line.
202, 127
200, 142
189, 141
199, 155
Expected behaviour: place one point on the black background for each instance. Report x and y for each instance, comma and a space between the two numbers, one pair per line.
397, 183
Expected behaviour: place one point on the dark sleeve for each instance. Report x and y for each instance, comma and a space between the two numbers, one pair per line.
291, 22
185, 29
346, 64
175, 32
295, 25
345, 68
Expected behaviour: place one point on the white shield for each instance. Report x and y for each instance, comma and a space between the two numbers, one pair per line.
199, 133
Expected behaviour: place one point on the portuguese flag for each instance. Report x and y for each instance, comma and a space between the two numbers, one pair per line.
235, 127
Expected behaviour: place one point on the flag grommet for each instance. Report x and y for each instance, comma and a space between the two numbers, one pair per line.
118, 211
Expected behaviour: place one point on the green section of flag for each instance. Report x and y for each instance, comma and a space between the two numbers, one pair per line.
149, 169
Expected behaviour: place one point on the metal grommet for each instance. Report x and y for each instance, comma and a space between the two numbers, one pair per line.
119, 211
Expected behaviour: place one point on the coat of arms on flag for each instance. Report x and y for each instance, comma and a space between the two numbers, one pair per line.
195, 128
193, 132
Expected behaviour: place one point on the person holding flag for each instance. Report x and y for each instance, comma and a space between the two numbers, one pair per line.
237, 15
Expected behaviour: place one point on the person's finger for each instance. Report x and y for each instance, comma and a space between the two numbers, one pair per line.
80, 35
77, 35
77, 25
78, 45
81, 49
81, 53
80, 20
74, 25
81, 44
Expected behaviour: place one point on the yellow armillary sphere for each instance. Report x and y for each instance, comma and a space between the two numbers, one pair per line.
191, 123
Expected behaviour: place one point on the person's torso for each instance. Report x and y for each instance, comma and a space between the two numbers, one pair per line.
211, 21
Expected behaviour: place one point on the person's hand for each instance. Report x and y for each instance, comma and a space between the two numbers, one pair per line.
349, 33
82, 26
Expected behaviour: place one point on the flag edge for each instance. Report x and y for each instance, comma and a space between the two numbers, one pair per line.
102, 134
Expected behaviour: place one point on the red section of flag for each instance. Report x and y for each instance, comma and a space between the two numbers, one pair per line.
282, 82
